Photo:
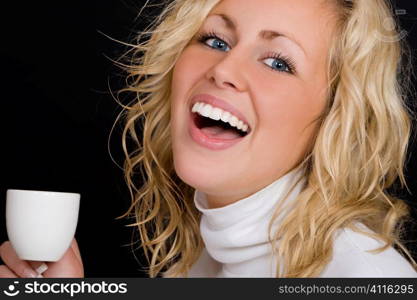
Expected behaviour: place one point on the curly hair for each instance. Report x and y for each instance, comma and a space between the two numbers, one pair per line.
358, 153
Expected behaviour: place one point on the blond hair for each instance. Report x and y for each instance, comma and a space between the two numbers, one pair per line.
359, 150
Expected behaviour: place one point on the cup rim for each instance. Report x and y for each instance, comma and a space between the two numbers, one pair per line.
44, 192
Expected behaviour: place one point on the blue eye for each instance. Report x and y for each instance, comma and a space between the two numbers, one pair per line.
216, 43
276, 63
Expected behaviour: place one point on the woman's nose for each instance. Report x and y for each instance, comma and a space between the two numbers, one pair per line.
227, 72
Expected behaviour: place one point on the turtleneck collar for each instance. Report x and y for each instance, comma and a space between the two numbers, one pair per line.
236, 235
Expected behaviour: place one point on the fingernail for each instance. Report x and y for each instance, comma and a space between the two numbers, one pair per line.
29, 273
42, 268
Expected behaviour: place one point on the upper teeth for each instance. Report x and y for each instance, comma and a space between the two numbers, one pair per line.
215, 113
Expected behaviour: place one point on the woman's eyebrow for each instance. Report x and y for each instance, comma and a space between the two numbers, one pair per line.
264, 34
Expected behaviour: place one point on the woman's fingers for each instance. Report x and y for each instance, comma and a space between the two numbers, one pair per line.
20, 267
76, 250
5, 272
70, 265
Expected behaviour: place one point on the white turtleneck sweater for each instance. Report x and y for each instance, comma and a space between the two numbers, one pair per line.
236, 240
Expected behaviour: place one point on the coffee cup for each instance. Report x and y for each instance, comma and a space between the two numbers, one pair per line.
41, 224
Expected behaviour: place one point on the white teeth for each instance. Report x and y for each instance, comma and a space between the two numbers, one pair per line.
233, 121
225, 116
216, 113
206, 110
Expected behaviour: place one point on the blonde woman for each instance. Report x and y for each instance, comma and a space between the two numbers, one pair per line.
271, 130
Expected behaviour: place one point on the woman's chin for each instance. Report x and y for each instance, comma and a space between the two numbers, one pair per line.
205, 180
206, 184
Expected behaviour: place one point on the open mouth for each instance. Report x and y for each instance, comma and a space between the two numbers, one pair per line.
217, 129
216, 123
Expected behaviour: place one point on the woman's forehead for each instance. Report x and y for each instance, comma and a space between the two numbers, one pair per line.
295, 14
307, 22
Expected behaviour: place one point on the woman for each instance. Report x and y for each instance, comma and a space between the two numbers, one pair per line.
271, 131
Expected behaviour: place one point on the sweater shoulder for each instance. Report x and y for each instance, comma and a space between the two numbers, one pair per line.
352, 257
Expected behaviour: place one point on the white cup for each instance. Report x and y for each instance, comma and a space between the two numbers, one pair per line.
41, 225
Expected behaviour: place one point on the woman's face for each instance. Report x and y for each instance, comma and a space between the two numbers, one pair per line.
259, 62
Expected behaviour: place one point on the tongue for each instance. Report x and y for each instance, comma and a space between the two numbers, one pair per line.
220, 133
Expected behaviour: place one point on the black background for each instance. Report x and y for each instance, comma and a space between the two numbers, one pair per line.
57, 112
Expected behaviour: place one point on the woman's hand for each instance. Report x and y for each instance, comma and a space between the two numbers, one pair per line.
70, 265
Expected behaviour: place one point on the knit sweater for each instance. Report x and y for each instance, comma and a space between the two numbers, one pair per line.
236, 239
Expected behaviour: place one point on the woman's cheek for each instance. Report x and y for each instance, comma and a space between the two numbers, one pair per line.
191, 60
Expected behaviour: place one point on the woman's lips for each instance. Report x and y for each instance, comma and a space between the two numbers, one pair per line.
209, 142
